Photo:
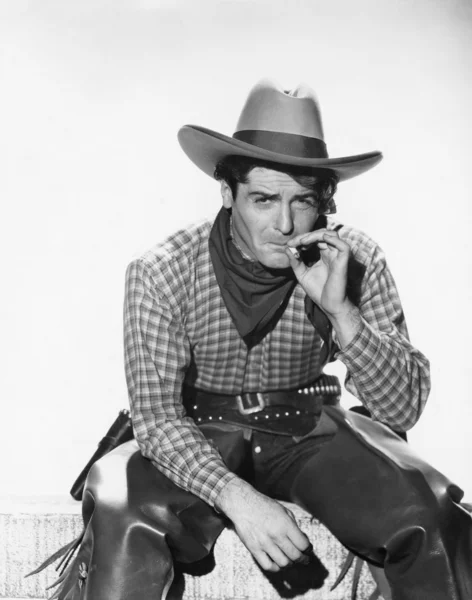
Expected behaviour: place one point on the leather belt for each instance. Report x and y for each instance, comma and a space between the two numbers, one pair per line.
325, 390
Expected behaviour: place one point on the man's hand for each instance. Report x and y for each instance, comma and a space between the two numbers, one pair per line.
325, 282
267, 529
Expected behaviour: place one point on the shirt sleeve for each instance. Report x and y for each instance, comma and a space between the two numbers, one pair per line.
157, 355
384, 370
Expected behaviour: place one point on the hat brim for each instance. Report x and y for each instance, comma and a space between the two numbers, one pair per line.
206, 148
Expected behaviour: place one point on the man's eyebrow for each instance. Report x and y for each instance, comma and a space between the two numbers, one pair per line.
303, 195
260, 193
306, 194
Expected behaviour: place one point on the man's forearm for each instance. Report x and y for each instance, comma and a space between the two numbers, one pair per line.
346, 324
180, 451
390, 376
234, 497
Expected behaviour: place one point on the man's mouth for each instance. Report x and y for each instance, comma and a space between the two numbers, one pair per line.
279, 244
278, 247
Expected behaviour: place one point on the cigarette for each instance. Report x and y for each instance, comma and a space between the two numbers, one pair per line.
294, 251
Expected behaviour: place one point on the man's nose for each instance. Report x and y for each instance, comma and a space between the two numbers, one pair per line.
284, 221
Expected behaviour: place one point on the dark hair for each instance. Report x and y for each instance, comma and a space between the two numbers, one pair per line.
323, 182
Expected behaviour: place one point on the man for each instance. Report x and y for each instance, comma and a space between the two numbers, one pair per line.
227, 328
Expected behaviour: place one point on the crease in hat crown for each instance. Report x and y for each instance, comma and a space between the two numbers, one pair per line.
270, 108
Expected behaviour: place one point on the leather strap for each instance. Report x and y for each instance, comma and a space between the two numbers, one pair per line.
325, 390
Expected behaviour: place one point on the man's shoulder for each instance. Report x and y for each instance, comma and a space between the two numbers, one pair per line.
180, 249
362, 245
171, 265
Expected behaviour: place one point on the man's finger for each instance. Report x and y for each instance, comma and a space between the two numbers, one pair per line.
295, 261
277, 555
332, 239
307, 238
326, 240
290, 550
299, 539
290, 514
265, 562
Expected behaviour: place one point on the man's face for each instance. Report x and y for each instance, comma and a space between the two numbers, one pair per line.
268, 210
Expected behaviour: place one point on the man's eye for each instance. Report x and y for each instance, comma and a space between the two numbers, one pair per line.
306, 202
263, 200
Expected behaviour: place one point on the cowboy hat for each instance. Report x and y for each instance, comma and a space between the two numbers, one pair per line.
278, 126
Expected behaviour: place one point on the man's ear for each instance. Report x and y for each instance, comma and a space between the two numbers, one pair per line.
227, 195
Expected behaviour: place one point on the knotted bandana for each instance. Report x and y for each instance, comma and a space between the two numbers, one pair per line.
254, 295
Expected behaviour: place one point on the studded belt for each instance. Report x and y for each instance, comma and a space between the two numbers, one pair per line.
284, 411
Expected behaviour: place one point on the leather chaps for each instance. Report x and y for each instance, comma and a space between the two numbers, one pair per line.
363, 482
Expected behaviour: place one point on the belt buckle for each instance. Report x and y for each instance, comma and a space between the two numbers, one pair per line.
252, 409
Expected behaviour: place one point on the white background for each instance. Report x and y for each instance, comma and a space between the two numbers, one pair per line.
91, 97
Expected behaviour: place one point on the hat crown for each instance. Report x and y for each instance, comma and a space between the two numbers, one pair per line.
278, 126
270, 108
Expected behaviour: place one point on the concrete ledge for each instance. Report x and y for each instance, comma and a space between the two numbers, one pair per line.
32, 529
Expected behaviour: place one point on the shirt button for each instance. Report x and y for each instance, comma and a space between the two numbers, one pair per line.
257, 449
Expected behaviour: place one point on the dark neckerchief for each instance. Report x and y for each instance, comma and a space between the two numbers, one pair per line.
255, 296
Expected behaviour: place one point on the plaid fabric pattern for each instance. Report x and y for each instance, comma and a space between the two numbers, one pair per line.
177, 330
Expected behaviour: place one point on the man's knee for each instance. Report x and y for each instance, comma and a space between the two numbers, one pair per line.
107, 481
126, 492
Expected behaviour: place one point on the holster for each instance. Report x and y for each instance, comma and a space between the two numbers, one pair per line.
120, 432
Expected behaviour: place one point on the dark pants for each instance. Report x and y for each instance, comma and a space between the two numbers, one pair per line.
359, 479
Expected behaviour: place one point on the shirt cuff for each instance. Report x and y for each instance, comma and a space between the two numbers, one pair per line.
213, 485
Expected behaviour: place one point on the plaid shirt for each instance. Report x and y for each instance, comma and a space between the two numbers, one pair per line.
178, 330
